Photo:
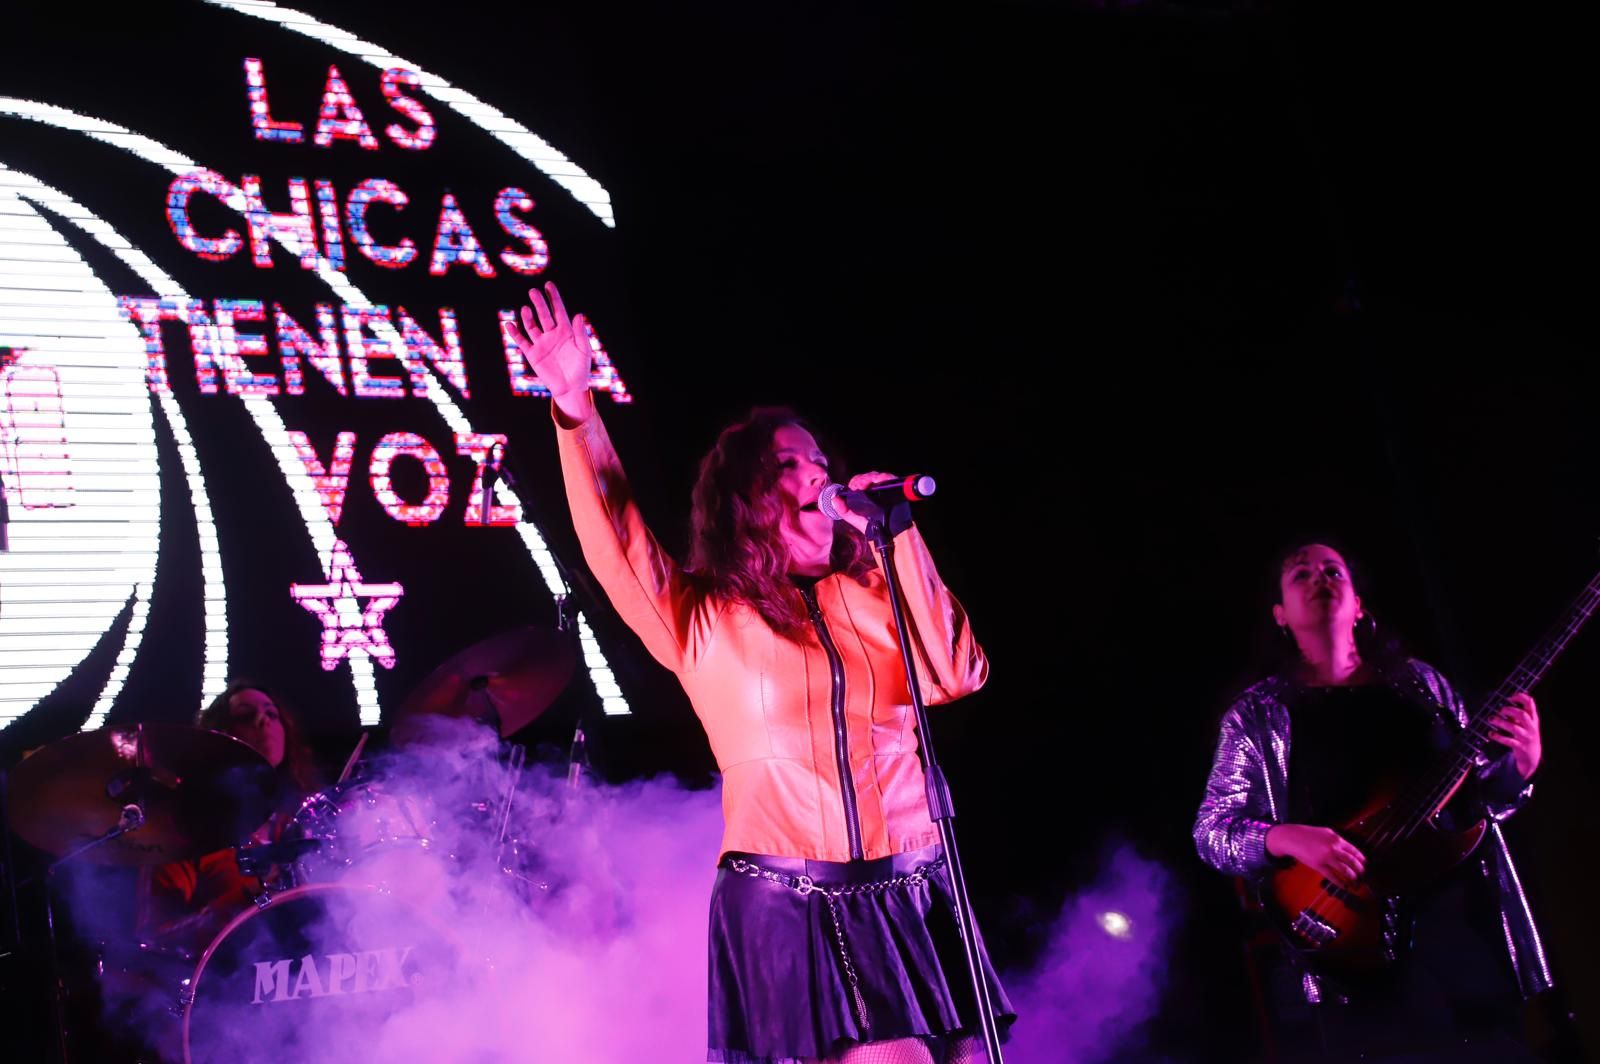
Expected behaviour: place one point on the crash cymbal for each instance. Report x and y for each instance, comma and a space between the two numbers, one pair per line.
506, 680
200, 791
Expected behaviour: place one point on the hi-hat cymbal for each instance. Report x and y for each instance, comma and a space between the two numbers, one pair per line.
507, 679
199, 790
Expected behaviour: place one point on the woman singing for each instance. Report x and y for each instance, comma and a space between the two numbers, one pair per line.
832, 934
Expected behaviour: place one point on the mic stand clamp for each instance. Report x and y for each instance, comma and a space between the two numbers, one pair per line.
132, 819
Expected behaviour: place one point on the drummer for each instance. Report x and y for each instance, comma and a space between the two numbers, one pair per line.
190, 901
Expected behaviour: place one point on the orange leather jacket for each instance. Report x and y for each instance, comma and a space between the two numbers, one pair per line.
816, 740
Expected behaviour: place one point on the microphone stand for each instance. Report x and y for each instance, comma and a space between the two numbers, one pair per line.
495, 468
941, 808
131, 818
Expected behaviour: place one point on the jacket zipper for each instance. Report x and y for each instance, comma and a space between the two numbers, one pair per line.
841, 738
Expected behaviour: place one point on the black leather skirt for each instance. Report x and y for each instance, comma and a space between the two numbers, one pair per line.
808, 957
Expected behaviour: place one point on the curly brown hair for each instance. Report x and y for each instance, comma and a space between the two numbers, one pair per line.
736, 546
299, 768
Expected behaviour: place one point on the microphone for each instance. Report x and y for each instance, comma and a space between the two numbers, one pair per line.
504, 470
906, 489
491, 473
491, 463
498, 466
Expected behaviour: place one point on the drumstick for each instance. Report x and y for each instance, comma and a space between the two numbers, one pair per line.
355, 755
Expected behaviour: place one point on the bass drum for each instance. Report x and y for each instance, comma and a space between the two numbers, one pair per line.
314, 976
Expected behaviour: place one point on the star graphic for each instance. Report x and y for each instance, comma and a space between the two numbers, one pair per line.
347, 628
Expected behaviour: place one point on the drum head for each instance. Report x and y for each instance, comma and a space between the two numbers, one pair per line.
358, 826
318, 970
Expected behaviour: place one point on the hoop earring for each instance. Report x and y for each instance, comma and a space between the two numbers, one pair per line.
1366, 625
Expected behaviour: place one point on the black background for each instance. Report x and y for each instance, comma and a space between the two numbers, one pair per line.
1149, 288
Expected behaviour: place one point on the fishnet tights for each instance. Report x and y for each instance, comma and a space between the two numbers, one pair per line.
908, 1051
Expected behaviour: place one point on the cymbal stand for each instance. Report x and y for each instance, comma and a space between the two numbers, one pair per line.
514, 773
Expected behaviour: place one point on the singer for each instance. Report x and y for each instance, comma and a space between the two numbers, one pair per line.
833, 937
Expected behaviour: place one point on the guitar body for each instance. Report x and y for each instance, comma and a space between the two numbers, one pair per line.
1355, 929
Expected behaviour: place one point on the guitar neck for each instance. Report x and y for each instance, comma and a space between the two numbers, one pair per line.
1420, 802
1475, 738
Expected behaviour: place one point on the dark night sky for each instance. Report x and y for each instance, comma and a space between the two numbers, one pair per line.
1149, 288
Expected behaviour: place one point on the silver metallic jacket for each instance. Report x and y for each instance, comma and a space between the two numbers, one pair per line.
1248, 793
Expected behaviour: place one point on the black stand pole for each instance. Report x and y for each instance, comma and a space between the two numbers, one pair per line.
131, 819
497, 468
940, 806
58, 987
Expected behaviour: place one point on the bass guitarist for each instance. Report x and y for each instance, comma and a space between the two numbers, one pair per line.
1454, 957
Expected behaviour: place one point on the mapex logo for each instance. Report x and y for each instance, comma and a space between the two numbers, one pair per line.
344, 973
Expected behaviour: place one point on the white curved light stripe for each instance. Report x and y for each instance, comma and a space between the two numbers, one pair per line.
507, 130
214, 659
125, 658
294, 472
268, 422
214, 672
109, 132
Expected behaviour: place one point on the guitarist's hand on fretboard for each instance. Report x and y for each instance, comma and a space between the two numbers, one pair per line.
1517, 726
1323, 850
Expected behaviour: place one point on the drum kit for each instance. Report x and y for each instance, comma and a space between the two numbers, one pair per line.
335, 937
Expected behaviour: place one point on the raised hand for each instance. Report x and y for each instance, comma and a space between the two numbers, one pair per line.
558, 349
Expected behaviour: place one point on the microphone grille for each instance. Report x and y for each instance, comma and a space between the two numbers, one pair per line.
825, 501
